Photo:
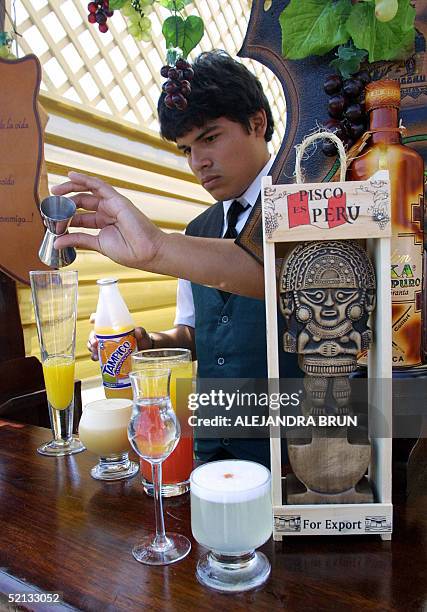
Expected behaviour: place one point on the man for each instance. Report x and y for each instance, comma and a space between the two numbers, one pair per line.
224, 134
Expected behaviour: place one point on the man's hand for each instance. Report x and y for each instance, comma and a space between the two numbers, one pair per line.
143, 341
126, 235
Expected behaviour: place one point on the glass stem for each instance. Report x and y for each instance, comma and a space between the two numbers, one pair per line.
160, 541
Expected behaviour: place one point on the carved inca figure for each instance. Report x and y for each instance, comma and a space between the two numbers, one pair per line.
327, 292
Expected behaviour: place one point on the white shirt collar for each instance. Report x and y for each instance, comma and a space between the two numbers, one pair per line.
251, 194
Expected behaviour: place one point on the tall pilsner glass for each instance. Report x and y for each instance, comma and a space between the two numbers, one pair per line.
179, 465
55, 304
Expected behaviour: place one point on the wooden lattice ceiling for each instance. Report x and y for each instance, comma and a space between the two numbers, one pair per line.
112, 72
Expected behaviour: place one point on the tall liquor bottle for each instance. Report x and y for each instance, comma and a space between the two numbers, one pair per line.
406, 167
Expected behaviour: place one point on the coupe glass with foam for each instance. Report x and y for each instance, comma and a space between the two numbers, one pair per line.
55, 305
177, 468
231, 514
103, 430
154, 432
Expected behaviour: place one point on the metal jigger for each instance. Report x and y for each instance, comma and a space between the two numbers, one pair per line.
57, 212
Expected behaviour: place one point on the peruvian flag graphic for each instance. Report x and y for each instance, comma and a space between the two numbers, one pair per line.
336, 214
299, 211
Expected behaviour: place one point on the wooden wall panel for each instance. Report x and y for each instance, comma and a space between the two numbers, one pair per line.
150, 297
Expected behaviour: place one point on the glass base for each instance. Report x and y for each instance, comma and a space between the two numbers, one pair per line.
177, 547
233, 574
116, 467
60, 448
168, 490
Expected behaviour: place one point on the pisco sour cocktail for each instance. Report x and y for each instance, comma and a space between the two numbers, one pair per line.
231, 514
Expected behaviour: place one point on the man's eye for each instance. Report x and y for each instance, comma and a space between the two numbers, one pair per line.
211, 138
187, 152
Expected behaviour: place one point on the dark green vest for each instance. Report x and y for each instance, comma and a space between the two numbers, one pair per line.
231, 341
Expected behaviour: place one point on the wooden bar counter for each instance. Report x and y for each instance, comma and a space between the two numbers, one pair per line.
61, 531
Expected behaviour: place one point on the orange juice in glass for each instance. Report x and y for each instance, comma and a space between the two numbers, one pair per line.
59, 381
177, 468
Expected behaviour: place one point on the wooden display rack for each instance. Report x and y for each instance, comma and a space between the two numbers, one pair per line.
374, 224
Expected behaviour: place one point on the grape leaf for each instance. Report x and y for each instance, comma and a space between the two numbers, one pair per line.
348, 60
116, 5
184, 34
310, 27
174, 5
384, 41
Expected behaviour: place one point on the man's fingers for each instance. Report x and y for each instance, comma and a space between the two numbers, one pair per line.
92, 343
139, 333
64, 188
143, 339
92, 347
92, 183
83, 182
79, 241
87, 220
86, 201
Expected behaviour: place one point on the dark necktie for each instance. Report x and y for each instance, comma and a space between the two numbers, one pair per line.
234, 211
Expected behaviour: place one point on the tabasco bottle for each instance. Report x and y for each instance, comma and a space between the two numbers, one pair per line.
406, 167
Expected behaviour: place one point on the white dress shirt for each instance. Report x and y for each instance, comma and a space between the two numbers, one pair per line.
184, 296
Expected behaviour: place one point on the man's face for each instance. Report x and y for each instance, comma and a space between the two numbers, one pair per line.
224, 157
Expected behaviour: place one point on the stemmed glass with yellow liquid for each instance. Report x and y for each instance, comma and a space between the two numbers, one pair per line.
55, 305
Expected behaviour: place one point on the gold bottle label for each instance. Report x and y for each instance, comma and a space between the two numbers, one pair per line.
406, 295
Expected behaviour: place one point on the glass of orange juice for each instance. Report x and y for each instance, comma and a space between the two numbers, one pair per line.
179, 465
54, 296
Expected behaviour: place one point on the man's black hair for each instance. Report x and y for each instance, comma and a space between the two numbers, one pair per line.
221, 87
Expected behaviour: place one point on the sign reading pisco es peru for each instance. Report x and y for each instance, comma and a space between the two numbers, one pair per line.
324, 211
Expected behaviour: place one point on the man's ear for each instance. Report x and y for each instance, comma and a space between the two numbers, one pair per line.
258, 123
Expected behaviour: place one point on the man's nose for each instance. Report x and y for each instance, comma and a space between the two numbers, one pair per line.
199, 162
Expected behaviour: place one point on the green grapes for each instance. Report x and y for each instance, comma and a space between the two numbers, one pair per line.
139, 25
5, 52
385, 10
128, 9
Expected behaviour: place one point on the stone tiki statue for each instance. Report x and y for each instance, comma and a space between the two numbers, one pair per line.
327, 293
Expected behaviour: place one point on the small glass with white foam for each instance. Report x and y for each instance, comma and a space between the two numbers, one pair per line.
231, 514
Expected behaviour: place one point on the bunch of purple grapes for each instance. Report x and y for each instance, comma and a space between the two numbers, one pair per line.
346, 108
177, 87
99, 12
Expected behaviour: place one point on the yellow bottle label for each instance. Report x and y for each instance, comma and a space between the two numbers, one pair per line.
406, 302
406, 295
115, 352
